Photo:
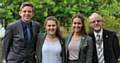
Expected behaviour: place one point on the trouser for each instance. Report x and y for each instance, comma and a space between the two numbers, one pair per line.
72, 61
23, 60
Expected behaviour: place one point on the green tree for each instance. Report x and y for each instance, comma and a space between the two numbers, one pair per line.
64, 9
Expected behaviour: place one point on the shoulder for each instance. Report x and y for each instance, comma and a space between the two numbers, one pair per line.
36, 23
40, 38
87, 37
109, 32
69, 35
41, 35
12, 24
91, 33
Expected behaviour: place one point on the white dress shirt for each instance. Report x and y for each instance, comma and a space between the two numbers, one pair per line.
101, 46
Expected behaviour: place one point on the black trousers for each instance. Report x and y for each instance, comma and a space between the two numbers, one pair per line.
23, 60
72, 61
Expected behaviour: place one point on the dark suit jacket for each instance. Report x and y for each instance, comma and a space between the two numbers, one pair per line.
86, 49
41, 39
14, 42
110, 45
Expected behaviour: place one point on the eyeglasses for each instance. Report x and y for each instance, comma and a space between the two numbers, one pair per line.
96, 21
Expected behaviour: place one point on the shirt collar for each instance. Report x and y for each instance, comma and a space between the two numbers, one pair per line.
100, 33
25, 24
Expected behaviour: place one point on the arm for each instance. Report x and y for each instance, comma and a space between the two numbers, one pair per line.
116, 47
64, 52
89, 50
7, 40
40, 41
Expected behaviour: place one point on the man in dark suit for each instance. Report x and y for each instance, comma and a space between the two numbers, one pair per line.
20, 38
106, 44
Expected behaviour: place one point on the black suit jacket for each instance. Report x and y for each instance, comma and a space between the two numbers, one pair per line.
14, 44
110, 46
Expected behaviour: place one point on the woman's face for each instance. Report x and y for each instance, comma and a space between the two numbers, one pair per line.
51, 27
77, 25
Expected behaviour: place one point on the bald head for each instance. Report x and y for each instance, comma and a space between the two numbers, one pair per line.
95, 16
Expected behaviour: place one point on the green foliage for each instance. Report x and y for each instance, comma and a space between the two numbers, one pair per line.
64, 9
111, 23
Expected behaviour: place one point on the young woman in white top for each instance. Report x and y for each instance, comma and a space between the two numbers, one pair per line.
51, 46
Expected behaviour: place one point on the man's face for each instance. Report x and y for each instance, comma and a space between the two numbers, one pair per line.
26, 13
96, 23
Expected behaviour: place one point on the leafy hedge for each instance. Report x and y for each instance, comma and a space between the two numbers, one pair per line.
64, 9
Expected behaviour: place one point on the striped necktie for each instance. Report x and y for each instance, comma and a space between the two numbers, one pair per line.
100, 49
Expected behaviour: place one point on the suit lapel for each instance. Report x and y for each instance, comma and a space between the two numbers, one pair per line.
33, 28
93, 38
105, 37
105, 43
41, 39
40, 43
20, 28
105, 40
95, 60
69, 37
82, 42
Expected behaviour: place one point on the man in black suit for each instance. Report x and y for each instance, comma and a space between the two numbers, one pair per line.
20, 38
106, 44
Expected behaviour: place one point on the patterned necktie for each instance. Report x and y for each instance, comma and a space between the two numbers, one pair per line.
98, 39
100, 49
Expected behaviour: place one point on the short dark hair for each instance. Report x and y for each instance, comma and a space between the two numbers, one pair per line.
26, 4
80, 16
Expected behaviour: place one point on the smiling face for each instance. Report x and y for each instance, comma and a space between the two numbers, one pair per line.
77, 25
96, 23
51, 27
26, 13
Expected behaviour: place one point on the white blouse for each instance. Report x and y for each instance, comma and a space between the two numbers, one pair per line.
51, 52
